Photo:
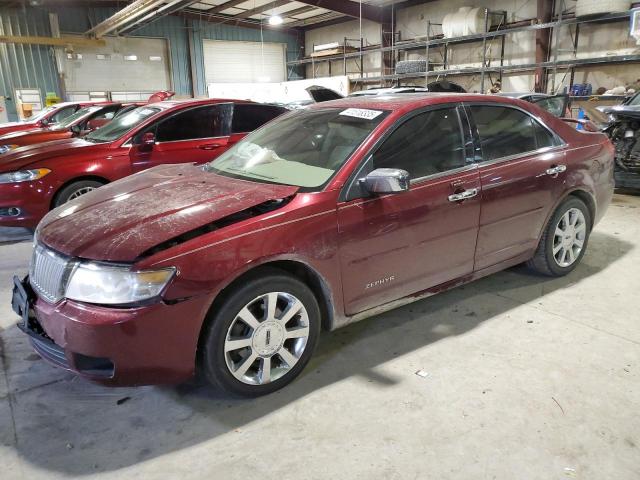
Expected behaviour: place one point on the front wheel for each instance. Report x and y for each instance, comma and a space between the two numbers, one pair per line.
75, 190
262, 336
564, 240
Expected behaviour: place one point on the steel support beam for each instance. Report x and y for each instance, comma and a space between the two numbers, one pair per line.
543, 39
55, 41
387, 33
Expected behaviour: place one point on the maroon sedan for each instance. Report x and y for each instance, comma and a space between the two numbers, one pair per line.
321, 218
36, 178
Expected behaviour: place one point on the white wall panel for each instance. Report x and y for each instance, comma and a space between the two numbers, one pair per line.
245, 62
105, 68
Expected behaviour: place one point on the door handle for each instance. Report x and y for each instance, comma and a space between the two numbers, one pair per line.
210, 146
554, 171
458, 197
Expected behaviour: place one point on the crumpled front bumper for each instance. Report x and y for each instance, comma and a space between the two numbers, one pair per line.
144, 345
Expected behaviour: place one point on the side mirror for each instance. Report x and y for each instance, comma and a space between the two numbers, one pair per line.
44, 122
75, 129
147, 142
386, 180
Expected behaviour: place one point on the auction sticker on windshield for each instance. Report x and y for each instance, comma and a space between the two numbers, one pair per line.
361, 113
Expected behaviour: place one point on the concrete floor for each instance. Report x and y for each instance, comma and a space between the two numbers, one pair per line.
526, 377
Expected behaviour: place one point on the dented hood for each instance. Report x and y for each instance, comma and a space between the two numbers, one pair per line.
122, 220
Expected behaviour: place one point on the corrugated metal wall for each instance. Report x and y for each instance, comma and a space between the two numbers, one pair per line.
25, 66
35, 65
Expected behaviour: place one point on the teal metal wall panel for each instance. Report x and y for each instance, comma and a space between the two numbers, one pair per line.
34, 66
25, 66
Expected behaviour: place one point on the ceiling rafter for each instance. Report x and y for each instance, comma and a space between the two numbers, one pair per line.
225, 5
263, 8
349, 8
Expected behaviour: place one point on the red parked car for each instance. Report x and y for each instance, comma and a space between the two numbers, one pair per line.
34, 179
323, 217
58, 112
83, 121
47, 116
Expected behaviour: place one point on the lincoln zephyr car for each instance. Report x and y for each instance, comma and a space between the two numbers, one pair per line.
36, 178
320, 218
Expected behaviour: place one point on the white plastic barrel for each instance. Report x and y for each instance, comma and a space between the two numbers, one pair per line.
465, 21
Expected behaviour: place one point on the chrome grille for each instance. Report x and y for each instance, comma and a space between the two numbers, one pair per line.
49, 273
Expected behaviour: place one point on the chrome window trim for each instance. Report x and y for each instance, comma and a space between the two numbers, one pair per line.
518, 156
435, 176
193, 139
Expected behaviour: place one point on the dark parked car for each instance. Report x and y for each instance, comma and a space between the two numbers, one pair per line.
34, 179
623, 128
323, 217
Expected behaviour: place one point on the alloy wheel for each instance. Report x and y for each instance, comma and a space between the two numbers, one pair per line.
569, 237
80, 192
267, 338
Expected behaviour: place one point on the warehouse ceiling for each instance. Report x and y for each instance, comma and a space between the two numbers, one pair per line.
133, 15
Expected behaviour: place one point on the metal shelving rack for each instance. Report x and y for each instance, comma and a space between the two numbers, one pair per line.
501, 32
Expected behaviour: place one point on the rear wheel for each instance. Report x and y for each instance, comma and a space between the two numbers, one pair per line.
262, 336
75, 190
564, 240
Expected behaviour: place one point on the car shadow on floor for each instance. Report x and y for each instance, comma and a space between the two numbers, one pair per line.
65, 424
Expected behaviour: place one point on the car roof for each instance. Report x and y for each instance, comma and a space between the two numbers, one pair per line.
411, 101
166, 104
387, 90
522, 94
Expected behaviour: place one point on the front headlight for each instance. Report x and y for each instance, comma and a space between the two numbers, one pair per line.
114, 285
6, 148
24, 175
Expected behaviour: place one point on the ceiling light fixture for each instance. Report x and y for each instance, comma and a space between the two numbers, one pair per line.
275, 20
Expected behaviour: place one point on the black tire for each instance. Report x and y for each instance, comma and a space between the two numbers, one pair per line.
543, 260
64, 195
212, 358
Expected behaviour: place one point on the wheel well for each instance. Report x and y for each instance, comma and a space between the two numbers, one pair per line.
95, 178
296, 269
588, 201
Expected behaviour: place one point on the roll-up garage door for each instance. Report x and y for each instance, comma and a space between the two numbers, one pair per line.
226, 62
126, 67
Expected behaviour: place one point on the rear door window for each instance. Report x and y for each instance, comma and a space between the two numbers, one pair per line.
193, 124
249, 117
506, 132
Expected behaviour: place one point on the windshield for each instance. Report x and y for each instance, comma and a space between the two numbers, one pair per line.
303, 149
41, 114
71, 119
121, 125
635, 100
